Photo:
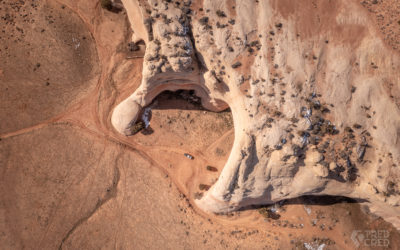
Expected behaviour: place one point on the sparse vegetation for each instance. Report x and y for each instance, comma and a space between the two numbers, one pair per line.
236, 65
221, 26
268, 213
220, 13
110, 6
106, 4
212, 169
198, 195
194, 128
148, 23
219, 152
203, 20
204, 187
137, 127
391, 189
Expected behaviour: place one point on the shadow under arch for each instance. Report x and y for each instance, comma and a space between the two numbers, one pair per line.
320, 200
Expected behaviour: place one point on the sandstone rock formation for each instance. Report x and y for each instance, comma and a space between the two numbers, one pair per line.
313, 89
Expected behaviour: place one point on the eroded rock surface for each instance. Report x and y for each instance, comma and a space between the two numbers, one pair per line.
314, 94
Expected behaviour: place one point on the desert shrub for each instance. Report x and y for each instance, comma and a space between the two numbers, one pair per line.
391, 189
106, 4
198, 195
203, 20
212, 169
204, 187
236, 65
220, 13
221, 26
267, 212
137, 127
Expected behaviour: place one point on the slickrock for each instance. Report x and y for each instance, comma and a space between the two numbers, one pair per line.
313, 89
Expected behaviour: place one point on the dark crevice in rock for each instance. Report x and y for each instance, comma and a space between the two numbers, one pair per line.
199, 58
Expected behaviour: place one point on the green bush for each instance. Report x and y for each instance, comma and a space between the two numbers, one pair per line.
106, 4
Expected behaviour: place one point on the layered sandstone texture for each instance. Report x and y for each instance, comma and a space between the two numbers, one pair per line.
313, 88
